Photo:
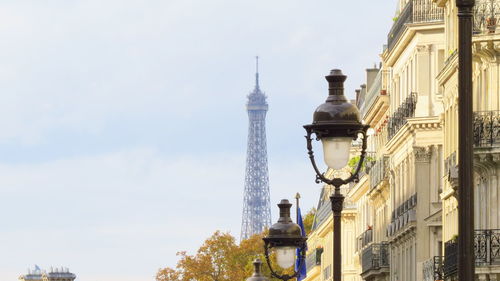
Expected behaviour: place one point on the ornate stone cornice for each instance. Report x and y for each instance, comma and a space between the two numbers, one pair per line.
486, 163
487, 51
404, 235
380, 194
390, 57
348, 217
414, 125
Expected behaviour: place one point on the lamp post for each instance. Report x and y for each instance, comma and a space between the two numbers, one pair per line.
336, 123
465, 141
284, 238
257, 274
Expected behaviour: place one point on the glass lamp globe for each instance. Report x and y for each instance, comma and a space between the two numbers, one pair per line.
285, 256
336, 151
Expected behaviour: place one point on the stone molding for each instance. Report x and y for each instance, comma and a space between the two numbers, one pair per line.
413, 126
422, 154
486, 163
424, 48
486, 51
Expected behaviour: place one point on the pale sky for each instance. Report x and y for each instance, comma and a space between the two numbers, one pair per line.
123, 127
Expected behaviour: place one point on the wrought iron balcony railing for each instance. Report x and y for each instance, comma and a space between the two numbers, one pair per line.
486, 16
322, 214
403, 215
487, 247
378, 172
409, 204
399, 25
399, 117
365, 239
450, 258
314, 259
416, 11
486, 250
427, 11
367, 165
433, 269
487, 128
375, 257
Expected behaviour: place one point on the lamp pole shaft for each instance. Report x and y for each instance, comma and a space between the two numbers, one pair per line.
465, 149
337, 200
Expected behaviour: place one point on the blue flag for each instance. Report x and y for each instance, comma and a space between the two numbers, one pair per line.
300, 261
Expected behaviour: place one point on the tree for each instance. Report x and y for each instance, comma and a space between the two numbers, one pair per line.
214, 261
169, 274
309, 220
220, 259
353, 162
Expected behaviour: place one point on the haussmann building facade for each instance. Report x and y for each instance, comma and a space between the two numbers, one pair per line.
400, 218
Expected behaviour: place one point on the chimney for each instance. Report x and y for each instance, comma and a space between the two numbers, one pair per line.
371, 73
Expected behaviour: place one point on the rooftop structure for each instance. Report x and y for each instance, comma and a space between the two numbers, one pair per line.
54, 274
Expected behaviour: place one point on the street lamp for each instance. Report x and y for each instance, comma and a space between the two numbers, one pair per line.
257, 274
284, 238
466, 258
336, 123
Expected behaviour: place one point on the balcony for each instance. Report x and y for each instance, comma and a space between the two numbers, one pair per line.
322, 214
433, 269
400, 117
399, 25
486, 128
375, 260
486, 251
409, 204
416, 11
368, 163
486, 17
365, 239
314, 259
450, 258
487, 247
403, 215
378, 171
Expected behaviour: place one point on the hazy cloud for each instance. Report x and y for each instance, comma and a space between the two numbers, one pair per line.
123, 127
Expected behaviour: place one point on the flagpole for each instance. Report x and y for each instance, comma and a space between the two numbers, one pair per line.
300, 262
297, 197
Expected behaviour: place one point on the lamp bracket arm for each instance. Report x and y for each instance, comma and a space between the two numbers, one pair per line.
320, 177
268, 260
354, 176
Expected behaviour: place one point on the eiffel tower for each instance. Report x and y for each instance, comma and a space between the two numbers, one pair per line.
256, 202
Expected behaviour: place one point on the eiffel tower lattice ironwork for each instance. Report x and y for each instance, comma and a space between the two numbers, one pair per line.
256, 202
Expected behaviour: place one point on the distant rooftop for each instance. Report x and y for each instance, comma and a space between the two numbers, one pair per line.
38, 274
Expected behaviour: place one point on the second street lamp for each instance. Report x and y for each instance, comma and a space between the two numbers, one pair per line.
336, 123
257, 274
284, 238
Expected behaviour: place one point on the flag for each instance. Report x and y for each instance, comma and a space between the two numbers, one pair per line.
302, 270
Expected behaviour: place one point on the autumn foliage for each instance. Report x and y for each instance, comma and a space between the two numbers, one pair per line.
220, 258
